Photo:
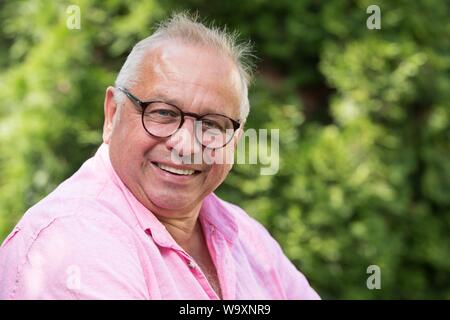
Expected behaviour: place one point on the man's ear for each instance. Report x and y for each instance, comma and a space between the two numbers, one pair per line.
238, 135
110, 109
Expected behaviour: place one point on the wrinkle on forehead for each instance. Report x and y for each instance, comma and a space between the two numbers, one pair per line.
176, 62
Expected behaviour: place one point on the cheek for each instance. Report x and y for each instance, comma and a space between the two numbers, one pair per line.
223, 156
131, 146
223, 162
217, 174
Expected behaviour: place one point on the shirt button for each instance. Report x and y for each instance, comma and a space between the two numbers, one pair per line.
191, 264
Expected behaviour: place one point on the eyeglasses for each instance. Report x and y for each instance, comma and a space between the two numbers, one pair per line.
161, 119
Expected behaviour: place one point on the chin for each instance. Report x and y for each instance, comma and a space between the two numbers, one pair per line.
172, 201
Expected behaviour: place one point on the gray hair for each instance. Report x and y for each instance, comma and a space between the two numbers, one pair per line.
182, 26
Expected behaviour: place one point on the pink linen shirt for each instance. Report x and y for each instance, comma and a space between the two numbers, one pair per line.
92, 239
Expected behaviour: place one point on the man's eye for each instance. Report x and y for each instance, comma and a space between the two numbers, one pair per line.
163, 113
207, 125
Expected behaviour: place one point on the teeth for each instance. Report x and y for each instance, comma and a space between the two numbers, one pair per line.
174, 170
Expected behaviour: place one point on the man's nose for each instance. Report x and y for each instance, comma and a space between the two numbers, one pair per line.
183, 141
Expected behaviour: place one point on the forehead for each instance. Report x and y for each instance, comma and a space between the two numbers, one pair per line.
195, 77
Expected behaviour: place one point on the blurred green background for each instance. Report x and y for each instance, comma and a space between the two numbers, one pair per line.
364, 118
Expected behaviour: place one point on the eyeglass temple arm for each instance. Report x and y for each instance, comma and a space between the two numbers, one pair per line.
131, 96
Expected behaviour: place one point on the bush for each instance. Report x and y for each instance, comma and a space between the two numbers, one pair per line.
364, 120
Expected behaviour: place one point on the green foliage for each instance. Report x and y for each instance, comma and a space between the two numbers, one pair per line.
51, 90
364, 118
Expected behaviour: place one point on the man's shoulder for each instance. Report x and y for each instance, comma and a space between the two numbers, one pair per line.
250, 230
53, 237
58, 207
241, 217
77, 217
83, 196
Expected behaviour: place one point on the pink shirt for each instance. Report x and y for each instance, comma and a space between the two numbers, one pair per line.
92, 239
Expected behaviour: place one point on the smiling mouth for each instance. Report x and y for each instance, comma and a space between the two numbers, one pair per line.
175, 171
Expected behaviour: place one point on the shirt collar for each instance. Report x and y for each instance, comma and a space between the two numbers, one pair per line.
214, 213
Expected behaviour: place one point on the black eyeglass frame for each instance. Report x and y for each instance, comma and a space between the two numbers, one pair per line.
144, 104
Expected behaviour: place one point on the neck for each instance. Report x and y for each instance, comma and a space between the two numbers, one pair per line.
185, 229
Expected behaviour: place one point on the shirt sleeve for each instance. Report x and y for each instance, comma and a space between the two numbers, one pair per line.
78, 257
295, 284
288, 279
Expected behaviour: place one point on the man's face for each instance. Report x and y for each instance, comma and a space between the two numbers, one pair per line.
197, 80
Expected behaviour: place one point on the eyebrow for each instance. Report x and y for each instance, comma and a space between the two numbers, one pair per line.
175, 102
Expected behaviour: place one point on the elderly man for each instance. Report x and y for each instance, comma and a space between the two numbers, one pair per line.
134, 222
